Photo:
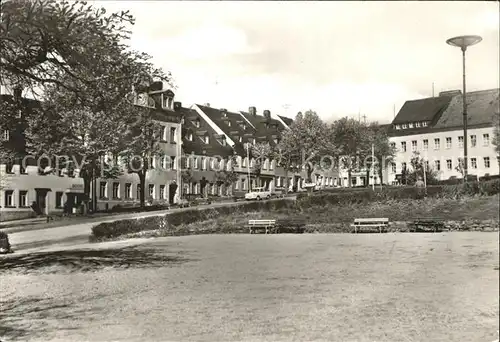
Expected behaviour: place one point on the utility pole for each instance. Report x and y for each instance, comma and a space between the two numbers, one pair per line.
432, 89
394, 110
364, 118
373, 168
248, 166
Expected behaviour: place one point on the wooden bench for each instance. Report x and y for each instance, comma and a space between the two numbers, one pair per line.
368, 224
293, 225
267, 226
430, 224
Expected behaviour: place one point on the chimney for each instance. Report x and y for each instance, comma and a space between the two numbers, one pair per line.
207, 104
267, 114
450, 93
177, 105
252, 111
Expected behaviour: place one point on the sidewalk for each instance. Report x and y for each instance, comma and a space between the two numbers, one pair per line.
11, 227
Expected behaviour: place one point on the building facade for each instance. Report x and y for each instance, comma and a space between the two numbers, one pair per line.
433, 128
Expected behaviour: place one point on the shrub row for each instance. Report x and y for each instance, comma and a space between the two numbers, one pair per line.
115, 229
485, 188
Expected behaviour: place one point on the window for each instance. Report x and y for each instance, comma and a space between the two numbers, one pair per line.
59, 196
103, 189
473, 141
197, 123
138, 191
405, 126
223, 141
424, 124
240, 139
486, 139
403, 146
426, 144
486, 162
403, 166
393, 166
162, 191
243, 184
417, 124
164, 134
473, 163
449, 164
195, 163
397, 126
437, 165
9, 198
436, 144
229, 123
410, 125
393, 145
173, 138
190, 136
244, 163
128, 190
271, 165
244, 126
206, 139
461, 142
173, 163
116, 190
413, 145
6, 135
164, 162
151, 190
448, 142
23, 198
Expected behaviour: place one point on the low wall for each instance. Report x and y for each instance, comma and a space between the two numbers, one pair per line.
403, 226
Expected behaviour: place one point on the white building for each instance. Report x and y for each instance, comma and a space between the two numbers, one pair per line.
433, 127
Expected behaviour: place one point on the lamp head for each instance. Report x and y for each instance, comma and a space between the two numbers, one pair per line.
464, 41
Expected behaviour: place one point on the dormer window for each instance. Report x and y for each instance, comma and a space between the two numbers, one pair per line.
190, 136
223, 141
197, 122
167, 101
240, 139
417, 124
424, 124
397, 126
405, 126
229, 123
410, 125
244, 126
206, 139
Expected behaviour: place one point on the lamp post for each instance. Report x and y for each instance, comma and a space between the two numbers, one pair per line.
248, 166
463, 42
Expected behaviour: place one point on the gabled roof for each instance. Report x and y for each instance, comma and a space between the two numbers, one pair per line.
286, 120
422, 110
265, 127
235, 130
481, 107
197, 146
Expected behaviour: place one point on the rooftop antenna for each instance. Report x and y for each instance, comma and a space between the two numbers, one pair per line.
359, 115
432, 89
364, 118
394, 110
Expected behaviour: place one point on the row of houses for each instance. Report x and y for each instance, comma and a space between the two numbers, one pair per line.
198, 141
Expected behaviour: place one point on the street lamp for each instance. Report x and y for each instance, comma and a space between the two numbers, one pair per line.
463, 42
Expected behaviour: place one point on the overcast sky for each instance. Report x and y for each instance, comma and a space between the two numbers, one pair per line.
336, 58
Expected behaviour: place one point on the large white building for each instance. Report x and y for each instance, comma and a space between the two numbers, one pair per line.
433, 127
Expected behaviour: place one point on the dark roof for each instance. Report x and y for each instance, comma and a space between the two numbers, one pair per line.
235, 130
422, 110
286, 120
481, 107
197, 146
265, 128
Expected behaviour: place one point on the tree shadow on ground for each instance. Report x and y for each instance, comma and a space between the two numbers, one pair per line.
87, 260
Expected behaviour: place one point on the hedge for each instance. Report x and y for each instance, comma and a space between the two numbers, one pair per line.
118, 228
484, 188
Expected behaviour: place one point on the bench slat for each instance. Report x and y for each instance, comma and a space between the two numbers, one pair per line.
360, 220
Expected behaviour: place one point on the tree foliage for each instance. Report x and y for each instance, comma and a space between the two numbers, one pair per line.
383, 151
416, 171
353, 140
496, 134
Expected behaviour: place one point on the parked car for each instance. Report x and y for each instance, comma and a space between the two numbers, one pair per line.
258, 194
